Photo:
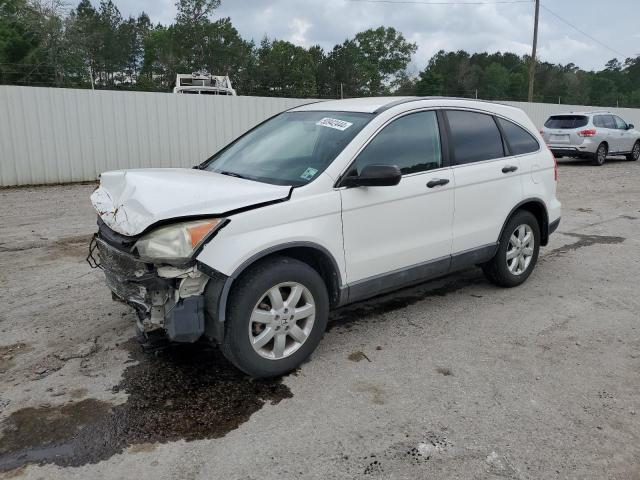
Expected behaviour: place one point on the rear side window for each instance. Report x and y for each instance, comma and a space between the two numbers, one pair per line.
519, 140
605, 121
475, 137
411, 142
566, 121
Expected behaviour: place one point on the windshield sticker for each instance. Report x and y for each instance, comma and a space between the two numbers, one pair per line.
309, 173
334, 123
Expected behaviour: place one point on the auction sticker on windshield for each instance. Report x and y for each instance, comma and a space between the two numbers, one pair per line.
309, 173
334, 123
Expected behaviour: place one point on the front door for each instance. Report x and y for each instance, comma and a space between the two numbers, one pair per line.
625, 137
394, 230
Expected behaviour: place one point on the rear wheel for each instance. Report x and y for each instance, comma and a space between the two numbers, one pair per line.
517, 251
635, 152
601, 155
277, 314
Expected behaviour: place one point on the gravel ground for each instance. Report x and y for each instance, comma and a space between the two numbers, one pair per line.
451, 379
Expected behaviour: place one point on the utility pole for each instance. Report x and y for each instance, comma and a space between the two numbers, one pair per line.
532, 66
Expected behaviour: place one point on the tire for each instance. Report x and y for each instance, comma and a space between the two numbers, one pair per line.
499, 270
601, 155
635, 152
251, 297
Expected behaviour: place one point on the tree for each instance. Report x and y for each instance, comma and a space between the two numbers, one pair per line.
284, 69
384, 55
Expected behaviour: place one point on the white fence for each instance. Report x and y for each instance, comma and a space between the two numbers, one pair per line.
50, 135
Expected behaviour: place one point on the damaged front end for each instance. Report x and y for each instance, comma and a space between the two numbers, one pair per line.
166, 298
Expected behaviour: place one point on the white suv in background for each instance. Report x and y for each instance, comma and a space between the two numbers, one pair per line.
593, 135
323, 205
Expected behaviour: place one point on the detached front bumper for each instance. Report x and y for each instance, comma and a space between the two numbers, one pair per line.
164, 297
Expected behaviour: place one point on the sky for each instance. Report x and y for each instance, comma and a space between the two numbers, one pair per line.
487, 27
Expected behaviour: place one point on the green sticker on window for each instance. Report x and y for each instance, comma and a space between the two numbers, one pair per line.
309, 173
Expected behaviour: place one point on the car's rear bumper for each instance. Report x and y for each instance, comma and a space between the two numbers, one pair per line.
570, 151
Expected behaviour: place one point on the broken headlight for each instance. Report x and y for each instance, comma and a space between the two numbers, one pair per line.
178, 241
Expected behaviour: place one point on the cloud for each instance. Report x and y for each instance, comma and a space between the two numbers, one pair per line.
475, 28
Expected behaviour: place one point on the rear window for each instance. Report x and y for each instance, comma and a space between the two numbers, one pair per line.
566, 121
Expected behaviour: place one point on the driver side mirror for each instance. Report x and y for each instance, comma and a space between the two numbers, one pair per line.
375, 176
630, 126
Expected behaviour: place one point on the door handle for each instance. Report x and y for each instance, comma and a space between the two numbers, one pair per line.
509, 169
438, 182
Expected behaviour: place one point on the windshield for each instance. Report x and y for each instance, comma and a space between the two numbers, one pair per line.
290, 149
566, 121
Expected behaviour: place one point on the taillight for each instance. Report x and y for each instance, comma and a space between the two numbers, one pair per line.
590, 132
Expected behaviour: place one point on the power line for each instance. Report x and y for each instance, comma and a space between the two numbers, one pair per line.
584, 33
454, 2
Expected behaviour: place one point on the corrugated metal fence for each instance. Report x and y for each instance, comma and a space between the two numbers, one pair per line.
50, 135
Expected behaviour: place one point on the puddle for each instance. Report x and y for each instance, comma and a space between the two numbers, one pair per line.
180, 393
351, 314
584, 241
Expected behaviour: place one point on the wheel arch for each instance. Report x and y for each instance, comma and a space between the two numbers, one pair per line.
539, 210
314, 255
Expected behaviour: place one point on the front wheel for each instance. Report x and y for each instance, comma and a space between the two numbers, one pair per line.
635, 152
517, 251
277, 314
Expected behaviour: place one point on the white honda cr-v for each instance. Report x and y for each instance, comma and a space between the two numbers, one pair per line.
320, 206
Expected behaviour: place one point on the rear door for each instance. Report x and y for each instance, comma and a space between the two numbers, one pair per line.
488, 183
611, 133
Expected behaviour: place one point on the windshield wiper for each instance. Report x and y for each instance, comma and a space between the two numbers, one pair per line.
233, 174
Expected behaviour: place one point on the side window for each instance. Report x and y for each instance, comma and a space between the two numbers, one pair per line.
519, 140
475, 137
411, 142
620, 124
597, 121
608, 121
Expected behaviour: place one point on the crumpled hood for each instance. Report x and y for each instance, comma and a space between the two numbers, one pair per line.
129, 201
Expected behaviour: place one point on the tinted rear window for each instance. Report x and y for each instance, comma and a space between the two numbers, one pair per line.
566, 121
475, 137
519, 140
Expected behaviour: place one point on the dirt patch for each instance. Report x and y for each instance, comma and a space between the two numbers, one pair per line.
358, 357
8, 354
180, 393
74, 246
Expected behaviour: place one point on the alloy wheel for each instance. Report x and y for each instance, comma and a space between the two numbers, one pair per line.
282, 320
520, 249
